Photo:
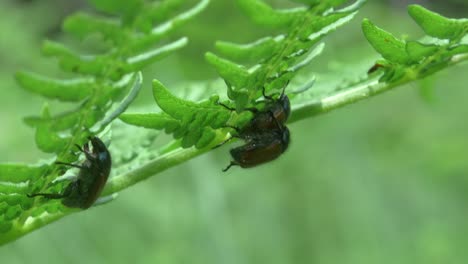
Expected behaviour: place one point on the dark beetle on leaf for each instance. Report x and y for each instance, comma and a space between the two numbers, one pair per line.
94, 171
260, 148
266, 135
275, 111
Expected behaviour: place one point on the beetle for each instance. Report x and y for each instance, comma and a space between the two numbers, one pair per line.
275, 110
265, 135
94, 172
260, 148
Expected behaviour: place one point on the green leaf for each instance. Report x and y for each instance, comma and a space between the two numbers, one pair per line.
90, 65
5, 226
152, 120
308, 2
127, 8
436, 25
131, 34
179, 20
155, 13
312, 55
263, 14
56, 123
321, 25
353, 7
418, 51
235, 74
197, 120
144, 59
458, 49
65, 90
18, 173
82, 25
48, 141
260, 49
386, 44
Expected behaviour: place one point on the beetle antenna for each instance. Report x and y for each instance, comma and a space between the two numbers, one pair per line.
265, 95
284, 89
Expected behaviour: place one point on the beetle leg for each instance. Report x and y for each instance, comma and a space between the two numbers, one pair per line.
86, 147
79, 148
284, 88
251, 109
222, 143
85, 150
271, 97
280, 127
265, 95
225, 106
48, 195
233, 163
65, 194
69, 164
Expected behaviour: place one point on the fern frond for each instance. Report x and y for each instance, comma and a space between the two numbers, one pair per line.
269, 62
276, 59
416, 59
324, 97
403, 61
104, 86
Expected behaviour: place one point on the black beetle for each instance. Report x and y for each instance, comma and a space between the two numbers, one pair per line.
265, 135
275, 111
260, 147
94, 171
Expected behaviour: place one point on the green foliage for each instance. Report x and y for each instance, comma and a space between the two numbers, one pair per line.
270, 62
104, 86
107, 83
416, 59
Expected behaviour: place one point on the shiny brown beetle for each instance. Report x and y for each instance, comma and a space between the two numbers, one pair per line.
275, 111
265, 135
260, 148
94, 171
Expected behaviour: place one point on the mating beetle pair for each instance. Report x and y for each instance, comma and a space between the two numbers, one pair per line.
94, 171
265, 135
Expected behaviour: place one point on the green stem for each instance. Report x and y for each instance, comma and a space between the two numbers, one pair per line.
151, 168
358, 92
160, 164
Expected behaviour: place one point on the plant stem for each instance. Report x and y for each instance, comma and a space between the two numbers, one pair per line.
357, 92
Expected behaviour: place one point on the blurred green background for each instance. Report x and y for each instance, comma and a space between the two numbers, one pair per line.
381, 181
